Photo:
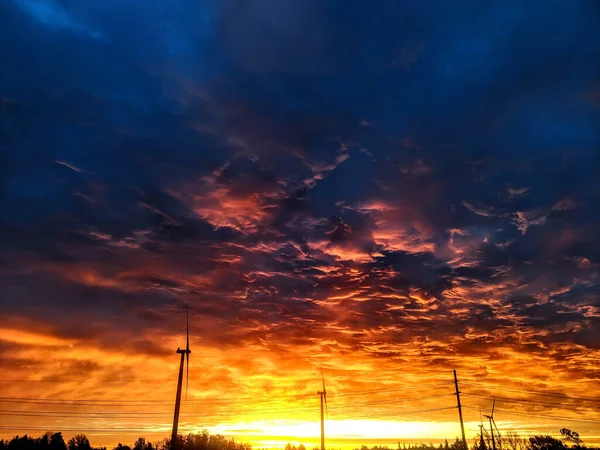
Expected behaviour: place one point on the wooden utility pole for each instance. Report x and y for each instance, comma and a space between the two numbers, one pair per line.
185, 355
174, 444
322, 395
462, 425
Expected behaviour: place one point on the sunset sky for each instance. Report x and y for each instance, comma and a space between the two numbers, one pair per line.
387, 190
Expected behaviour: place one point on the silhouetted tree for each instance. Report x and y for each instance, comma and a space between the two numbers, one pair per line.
458, 445
571, 436
511, 440
165, 444
79, 442
49, 441
122, 447
57, 442
21, 443
197, 441
479, 443
540, 442
203, 441
142, 444
43, 442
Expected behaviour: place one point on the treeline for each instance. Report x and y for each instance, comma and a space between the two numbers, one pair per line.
506, 441
205, 441
55, 441
512, 441
456, 445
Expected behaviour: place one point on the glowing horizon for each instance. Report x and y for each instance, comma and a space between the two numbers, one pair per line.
264, 410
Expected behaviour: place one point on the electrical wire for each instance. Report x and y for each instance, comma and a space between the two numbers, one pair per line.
84, 429
527, 391
84, 380
190, 413
541, 416
113, 402
522, 401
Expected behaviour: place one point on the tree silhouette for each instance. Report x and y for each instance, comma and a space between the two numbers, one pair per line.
79, 442
122, 447
142, 444
479, 443
206, 441
571, 436
545, 443
512, 441
57, 441
457, 445
21, 443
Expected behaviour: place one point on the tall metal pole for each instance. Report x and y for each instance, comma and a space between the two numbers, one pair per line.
177, 402
322, 394
462, 425
492, 432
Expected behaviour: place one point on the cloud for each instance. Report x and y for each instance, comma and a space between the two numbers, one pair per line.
526, 219
55, 15
517, 192
190, 158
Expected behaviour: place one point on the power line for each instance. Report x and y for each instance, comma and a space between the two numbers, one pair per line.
388, 416
84, 380
519, 400
542, 416
132, 380
113, 402
82, 429
115, 429
527, 391
203, 413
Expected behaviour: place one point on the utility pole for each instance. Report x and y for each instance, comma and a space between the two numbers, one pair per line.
322, 394
185, 359
492, 432
177, 402
462, 425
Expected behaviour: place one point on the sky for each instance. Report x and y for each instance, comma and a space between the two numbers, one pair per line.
386, 191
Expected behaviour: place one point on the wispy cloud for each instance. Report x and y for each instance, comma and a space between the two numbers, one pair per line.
54, 14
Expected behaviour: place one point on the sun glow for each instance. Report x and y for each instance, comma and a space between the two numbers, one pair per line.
340, 433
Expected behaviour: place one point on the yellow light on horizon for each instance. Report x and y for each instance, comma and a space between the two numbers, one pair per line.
345, 429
